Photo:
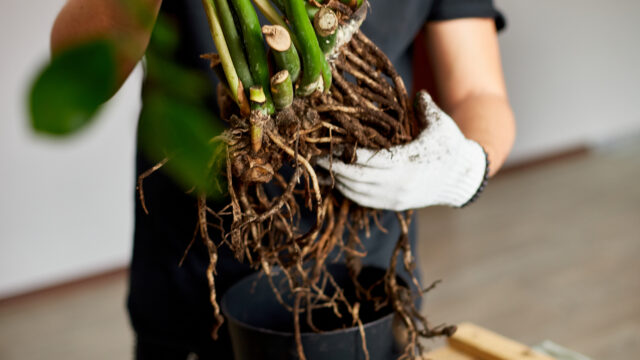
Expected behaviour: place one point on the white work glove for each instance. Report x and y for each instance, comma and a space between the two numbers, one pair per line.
439, 167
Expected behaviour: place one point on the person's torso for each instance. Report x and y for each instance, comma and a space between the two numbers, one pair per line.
161, 291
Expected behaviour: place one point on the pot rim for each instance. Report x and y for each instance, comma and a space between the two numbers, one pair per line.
257, 276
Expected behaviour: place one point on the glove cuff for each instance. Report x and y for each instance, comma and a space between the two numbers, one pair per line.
485, 181
466, 177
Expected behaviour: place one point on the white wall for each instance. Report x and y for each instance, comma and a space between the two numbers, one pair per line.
573, 71
572, 67
65, 207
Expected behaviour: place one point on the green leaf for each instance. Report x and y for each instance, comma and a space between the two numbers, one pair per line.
165, 37
70, 89
176, 80
183, 132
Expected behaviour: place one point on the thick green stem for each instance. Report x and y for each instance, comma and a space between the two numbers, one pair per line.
312, 10
312, 57
327, 43
254, 44
270, 12
283, 51
234, 42
325, 23
290, 60
257, 97
327, 77
235, 85
282, 89
258, 116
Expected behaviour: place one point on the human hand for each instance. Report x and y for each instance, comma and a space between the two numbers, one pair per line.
439, 167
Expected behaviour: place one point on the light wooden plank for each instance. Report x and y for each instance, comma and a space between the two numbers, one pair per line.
447, 353
487, 345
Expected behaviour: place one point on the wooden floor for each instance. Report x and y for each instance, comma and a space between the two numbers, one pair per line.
75, 324
547, 253
551, 252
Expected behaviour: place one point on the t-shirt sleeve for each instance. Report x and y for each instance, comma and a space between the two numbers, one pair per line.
456, 9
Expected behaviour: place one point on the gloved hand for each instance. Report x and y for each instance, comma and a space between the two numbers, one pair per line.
439, 167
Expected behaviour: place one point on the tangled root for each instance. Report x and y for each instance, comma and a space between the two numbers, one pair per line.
368, 106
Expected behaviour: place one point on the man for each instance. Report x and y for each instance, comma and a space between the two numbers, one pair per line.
169, 304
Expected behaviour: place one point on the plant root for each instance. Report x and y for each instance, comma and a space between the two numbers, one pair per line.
368, 107
145, 175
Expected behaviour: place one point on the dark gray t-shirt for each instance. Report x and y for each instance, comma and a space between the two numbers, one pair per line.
393, 24
169, 304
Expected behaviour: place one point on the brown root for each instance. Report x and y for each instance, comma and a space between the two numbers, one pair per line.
368, 107
145, 175
296, 325
213, 260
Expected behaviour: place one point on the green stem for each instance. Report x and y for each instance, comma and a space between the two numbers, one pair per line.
258, 116
234, 42
257, 97
237, 90
254, 44
312, 10
325, 23
312, 57
327, 43
284, 53
282, 89
292, 56
270, 12
327, 77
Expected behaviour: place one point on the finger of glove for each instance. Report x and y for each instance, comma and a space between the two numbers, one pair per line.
368, 198
375, 200
379, 189
380, 159
423, 104
429, 113
389, 195
442, 128
365, 185
354, 171
359, 174
363, 174
394, 157
335, 166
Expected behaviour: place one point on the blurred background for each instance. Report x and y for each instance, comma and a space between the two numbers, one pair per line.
549, 252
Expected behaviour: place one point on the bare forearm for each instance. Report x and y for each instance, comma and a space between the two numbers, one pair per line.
488, 120
127, 22
466, 61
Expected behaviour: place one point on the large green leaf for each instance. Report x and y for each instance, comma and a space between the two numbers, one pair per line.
71, 88
165, 37
182, 132
177, 81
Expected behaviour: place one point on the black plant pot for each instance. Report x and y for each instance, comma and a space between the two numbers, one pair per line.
261, 328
